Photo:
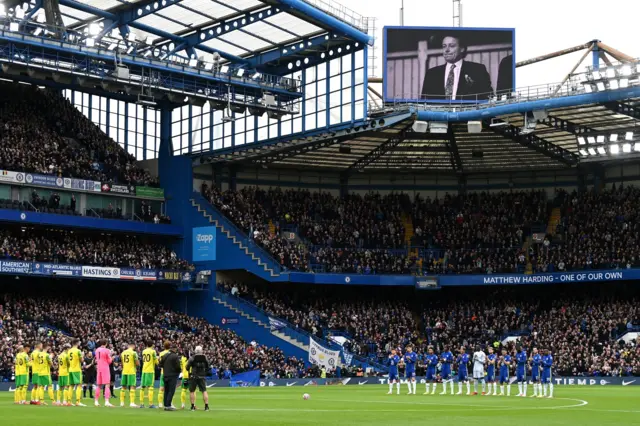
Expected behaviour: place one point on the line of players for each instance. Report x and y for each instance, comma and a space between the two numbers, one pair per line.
40, 362
541, 375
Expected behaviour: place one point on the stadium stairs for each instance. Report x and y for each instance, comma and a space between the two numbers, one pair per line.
263, 329
525, 248
554, 220
243, 253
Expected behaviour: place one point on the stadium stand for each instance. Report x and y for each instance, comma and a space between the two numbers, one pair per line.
41, 132
63, 246
474, 233
581, 325
125, 316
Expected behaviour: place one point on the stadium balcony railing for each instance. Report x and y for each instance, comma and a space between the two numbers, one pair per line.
295, 332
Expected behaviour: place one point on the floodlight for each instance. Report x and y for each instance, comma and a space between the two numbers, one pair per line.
588, 88
595, 75
94, 29
614, 85
224, 69
3, 11
112, 46
615, 149
625, 70
638, 68
613, 137
581, 140
624, 83
37, 32
131, 36
611, 72
14, 26
628, 136
584, 152
19, 13
240, 72
600, 86
147, 54
636, 147
600, 139
208, 66
592, 151
591, 139
90, 42
193, 62
256, 76
626, 147
601, 150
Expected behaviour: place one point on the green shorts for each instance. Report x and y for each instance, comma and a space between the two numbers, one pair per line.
161, 380
185, 383
75, 378
22, 380
63, 381
44, 380
128, 381
34, 379
147, 379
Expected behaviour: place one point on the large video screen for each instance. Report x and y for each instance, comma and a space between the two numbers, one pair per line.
438, 65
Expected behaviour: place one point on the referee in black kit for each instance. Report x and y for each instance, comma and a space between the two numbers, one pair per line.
198, 367
170, 364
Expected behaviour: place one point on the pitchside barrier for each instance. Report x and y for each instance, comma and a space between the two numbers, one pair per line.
361, 381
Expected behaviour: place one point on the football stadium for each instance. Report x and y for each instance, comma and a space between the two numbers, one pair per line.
302, 212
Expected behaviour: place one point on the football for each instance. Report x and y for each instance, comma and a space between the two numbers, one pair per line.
306, 396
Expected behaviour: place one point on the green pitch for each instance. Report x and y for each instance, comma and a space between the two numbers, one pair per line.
353, 405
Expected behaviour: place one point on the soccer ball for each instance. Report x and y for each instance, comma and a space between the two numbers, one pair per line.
306, 396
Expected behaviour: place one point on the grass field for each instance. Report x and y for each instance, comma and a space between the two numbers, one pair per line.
353, 405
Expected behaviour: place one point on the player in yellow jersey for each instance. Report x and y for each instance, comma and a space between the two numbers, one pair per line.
44, 376
161, 391
185, 379
35, 372
63, 375
75, 372
130, 362
21, 371
149, 363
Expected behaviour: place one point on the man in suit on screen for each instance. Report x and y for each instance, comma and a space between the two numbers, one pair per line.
457, 79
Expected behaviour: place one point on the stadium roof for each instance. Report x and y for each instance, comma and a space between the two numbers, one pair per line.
236, 29
553, 144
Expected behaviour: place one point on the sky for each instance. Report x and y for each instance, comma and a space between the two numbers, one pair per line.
542, 27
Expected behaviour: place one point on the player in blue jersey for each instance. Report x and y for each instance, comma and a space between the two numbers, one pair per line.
505, 365
535, 360
547, 379
446, 358
463, 371
491, 372
431, 364
394, 360
521, 371
410, 360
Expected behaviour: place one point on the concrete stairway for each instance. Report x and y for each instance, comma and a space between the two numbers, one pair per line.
279, 334
228, 234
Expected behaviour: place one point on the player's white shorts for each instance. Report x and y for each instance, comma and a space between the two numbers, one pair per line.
478, 373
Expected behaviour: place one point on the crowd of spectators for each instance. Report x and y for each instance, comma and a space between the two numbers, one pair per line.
373, 321
580, 325
472, 233
63, 246
598, 231
56, 320
42, 132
